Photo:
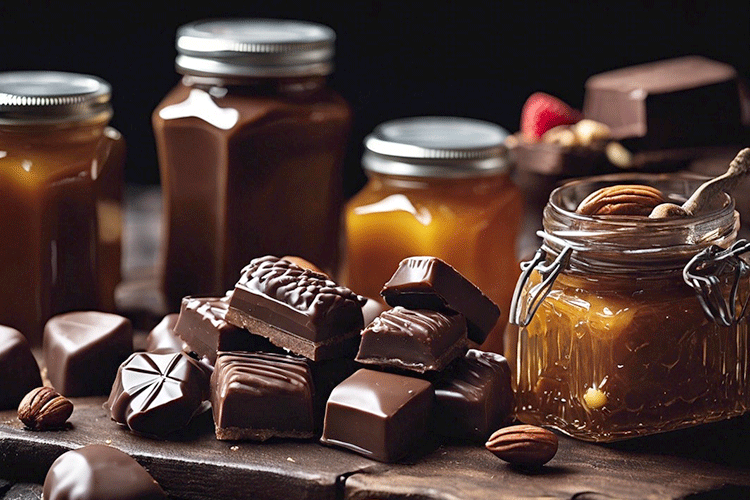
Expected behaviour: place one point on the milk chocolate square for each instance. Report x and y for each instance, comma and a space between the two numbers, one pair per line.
383, 416
19, 371
419, 340
430, 283
84, 349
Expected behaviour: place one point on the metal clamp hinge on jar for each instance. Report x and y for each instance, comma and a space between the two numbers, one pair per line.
704, 272
539, 292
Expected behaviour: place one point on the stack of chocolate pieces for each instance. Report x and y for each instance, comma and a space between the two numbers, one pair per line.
419, 374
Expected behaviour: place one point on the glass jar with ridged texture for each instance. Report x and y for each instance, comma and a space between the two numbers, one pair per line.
622, 344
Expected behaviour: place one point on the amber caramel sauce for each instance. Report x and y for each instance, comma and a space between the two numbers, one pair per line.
60, 202
472, 224
607, 359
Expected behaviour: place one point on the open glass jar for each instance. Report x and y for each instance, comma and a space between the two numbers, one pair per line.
630, 326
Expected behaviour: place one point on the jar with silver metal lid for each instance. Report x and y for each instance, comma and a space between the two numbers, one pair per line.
250, 144
61, 166
437, 186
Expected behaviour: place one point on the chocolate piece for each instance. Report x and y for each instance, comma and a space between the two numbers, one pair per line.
261, 395
297, 309
683, 102
474, 396
157, 394
380, 415
162, 337
84, 349
19, 372
430, 283
96, 472
419, 340
372, 310
202, 325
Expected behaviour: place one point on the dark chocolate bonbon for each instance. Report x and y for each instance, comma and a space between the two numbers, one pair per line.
19, 371
162, 337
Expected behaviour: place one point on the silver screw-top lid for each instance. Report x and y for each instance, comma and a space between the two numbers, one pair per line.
254, 48
436, 146
39, 97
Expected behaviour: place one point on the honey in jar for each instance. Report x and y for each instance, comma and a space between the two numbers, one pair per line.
61, 174
628, 325
250, 143
437, 186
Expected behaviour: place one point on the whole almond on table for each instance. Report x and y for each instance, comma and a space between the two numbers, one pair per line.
621, 199
524, 445
44, 409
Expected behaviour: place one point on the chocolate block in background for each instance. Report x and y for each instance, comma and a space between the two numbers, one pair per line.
383, 416
97, 471
372, 310
157, 394
684, 102
84, 349
256, 396
430, 283
203, 327
418, 340
19, 371
474, 397
297, 309
162, 338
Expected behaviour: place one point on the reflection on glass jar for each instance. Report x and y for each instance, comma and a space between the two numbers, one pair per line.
621, 345
61, 174
437, 186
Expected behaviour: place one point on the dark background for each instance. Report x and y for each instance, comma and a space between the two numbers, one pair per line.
478, 59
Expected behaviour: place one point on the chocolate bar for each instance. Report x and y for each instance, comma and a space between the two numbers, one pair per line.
19, 371
84, 349
474, 397
162, 337
430, 283
420, 340
380, 415
203, 327
98, 471
257, 396
297, 309
675, 103
157, 394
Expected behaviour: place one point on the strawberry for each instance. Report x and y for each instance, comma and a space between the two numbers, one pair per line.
542, 112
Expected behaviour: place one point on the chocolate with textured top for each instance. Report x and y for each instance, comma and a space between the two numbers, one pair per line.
19, 372
297, 309
380, 415
84, 349
474, 396
430, 283
157, 394
682, 102
95, 472
420, 340
203, 327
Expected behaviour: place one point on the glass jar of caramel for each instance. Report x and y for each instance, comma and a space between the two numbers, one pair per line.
628, 325
437, 186
61, 175
250, 145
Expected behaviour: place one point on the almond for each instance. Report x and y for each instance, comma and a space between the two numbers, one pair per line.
524, 445
621, 199
43, 409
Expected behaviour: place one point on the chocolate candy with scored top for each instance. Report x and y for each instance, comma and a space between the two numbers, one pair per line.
157, 394
297, 309
380, 415
99, 472
419, 340
84, 349
430, 283
19, 372
474, 397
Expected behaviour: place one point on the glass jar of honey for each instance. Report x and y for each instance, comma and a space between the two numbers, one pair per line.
61, 175
437, 186
628, 325
250, 145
